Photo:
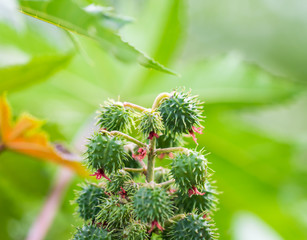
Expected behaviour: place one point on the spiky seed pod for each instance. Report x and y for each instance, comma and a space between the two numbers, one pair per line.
167, 140
131, 188
135, 231
114, 116
152, 204
118, 180
122, 184
105, 152
197, 203
180, 112
115, 212
189, 170
162, 175
88, 200
150, 123
192, 227
88, 232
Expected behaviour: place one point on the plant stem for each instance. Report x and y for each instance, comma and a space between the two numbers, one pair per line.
136, 107
151, 161
135, 169
172, 149
129, 138
165, 184
159, 98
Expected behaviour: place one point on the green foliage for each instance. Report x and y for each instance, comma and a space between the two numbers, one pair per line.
189, 170
89, 200
36, 70
113, 116
150, 122
180, 112
105, 152
96, 26
88, 232
193, 227
152, 204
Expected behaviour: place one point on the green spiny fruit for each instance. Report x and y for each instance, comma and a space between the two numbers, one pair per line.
117, 181
192, 227
105, 152
166, 141
135, 231
180, 113
89, 199
189, 170
152, 204
114, 116
90, 232
115, 212
150, 123
197, 203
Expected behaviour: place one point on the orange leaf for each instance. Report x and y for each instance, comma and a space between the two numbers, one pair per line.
5, 118
25, 136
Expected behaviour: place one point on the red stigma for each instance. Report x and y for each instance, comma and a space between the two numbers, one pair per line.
197, 130
123, 193
142, 154
152, 134
194, 191
100, 173
162, 155
155, 224
172, 190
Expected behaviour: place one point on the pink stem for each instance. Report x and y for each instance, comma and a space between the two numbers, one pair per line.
44, 220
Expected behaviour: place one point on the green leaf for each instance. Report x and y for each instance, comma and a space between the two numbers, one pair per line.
69, 16
108, 18
251, 169
230, 82
38, 69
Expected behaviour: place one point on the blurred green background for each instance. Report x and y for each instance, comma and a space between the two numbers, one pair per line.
246, 59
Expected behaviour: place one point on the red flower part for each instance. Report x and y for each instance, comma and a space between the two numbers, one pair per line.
100, 173
205, 215
155, 224
142, 154
152, 134
122, 193
172, 190
194, 191
162, 155
197, 130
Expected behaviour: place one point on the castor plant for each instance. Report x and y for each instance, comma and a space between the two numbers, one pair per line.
135, 200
